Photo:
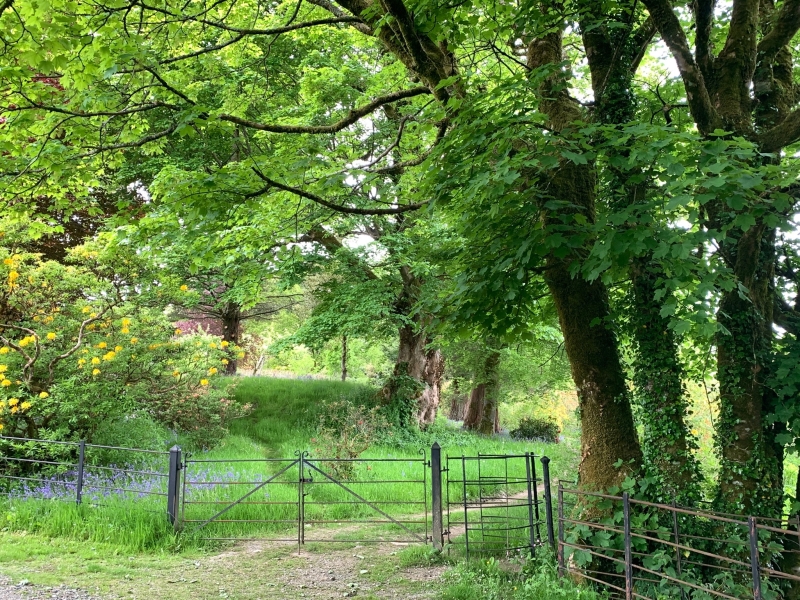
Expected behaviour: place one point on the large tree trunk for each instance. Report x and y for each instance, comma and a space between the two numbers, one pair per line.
608, 433
660, 396
231, 330
415, 360
459, 402
423, 365
482, 411
749, 466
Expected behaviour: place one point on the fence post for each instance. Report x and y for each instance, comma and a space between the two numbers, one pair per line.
548, 501
561, 569
437, 532
677, 542
753, 531
81, 462
626, 517
173, 485
531, 481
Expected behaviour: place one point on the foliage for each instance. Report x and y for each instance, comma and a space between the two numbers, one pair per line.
531, 428
83, 344
345, 432
490, 580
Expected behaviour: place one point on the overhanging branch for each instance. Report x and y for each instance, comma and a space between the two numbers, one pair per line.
271, 183
352, 116
703, 111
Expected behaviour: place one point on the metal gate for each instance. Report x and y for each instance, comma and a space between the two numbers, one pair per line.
497, 504
300, 499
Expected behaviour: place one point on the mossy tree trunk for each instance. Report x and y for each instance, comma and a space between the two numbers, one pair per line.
483, 407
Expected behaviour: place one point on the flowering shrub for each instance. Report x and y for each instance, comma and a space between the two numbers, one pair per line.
87, 341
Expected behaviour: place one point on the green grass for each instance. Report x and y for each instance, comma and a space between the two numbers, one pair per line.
282, 422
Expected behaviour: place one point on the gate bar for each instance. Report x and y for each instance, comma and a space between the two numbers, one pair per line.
247, 495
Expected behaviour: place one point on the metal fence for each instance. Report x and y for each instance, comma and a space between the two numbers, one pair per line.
279, 499
497, 503
89, 473
638, 549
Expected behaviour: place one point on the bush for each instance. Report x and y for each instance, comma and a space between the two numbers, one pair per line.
84, 344
532, 428
345, 431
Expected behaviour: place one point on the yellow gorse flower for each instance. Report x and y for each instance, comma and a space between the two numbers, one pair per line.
126, 322
109, 355
204, 382
224, 344
4, 350
95, 372
102, 345
125, 330
184, 288
51, 336
25, 405
13, 401
134, 340
212, 371
5, 382
95, 361
43, 395
224, 361
117, 348
3, 368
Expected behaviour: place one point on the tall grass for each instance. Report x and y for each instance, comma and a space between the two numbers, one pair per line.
282, 422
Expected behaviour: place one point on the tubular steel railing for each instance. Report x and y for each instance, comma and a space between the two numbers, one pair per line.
70, 472
494, 503
665, 550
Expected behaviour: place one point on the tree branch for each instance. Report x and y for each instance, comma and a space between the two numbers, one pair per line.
284, 28
352, 116
784, 133
333, 245
321, 201
703, 111
214, 48
785, 25
704, 21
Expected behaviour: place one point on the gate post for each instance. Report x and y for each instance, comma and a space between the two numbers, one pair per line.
437, 532
626, 531
754, 562
81, 463
548, 502
173, 486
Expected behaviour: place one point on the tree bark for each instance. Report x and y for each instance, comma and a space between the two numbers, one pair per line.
481, 415
659, 392
608, 432
458, 404
231, 330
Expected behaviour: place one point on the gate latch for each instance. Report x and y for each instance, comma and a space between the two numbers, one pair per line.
306, 480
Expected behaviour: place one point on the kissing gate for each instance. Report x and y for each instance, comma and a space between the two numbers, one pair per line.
483, 504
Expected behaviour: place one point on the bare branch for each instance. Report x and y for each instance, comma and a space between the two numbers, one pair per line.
352, 116
75, 347
703, 111
284, 28
322, 202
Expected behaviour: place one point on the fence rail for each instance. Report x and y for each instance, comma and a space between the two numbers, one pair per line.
665, 550
487, 504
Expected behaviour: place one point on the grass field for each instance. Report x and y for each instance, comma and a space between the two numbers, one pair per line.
282, 423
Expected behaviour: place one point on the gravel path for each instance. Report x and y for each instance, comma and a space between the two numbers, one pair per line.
33, 592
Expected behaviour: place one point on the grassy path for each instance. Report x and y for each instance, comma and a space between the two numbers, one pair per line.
248, 571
